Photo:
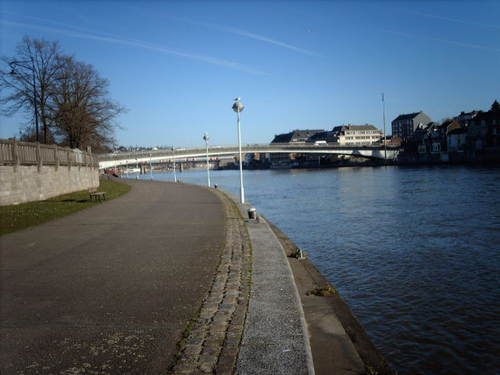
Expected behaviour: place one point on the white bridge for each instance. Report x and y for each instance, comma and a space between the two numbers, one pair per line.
165, 155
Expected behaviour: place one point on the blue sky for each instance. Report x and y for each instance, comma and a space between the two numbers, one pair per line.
177, 65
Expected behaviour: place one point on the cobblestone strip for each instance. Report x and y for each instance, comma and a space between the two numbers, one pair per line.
213, 341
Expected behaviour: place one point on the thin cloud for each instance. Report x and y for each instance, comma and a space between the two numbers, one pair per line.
453, 42
248, 34
231, 30
109, 38
455, 20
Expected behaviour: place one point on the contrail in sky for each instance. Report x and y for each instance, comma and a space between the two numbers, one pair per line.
262, 38
456, 43
226, 29
456, 20
74, 32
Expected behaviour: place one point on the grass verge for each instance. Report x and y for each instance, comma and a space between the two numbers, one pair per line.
20, 216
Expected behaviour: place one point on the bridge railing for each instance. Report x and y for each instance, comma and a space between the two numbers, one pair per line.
136, 154
248, 148
13, 152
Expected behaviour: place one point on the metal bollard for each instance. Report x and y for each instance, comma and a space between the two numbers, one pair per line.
252, 213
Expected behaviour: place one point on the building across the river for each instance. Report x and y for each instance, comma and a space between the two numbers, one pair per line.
356, 135
344, 135
405, 125
296, 136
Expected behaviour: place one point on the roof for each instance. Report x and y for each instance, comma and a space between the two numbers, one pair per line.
318, 136
431, 125
471, 113
304, 134
328, 136
296, 135
282, 138
487, 116
448, 122
407, 116
343, 128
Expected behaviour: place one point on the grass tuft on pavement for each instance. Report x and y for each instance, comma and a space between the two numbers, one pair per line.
20, 216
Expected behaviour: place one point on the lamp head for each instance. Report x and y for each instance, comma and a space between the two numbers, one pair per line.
238, 106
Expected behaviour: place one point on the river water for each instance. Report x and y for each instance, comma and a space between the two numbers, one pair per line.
415, 252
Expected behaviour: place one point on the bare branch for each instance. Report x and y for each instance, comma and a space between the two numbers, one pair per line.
68, 96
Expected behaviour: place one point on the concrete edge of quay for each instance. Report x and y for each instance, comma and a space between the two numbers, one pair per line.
338, 341
275, 339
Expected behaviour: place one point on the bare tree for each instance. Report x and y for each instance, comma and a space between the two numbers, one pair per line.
28, 80
83, 114
28, 134
67, 96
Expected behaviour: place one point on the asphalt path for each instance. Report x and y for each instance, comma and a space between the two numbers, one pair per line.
109, 289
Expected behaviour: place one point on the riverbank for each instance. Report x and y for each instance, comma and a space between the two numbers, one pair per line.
290, 320
333, 338
339, 343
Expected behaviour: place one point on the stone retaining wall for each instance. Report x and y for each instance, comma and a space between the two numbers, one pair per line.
26, 183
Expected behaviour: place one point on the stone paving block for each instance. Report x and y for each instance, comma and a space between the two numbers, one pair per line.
221, 321
192, 350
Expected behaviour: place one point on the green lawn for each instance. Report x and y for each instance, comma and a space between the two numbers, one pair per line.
20, 216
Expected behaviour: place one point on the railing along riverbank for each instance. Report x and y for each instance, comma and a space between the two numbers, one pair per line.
30, 171
16, 153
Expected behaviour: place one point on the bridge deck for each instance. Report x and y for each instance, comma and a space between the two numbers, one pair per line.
112, 160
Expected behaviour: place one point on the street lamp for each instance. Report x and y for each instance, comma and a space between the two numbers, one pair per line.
238, 107
13, 72
173, 158
206, 138
385, 140
150, 167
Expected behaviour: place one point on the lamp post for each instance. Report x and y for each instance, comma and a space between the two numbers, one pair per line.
385, 140
173, 158
238, 107
150, 167
206, 138
13, 72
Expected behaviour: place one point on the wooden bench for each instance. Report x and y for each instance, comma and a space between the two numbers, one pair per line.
97, 195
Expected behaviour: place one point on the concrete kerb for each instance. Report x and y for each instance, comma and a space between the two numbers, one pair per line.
310, 363
263, 306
